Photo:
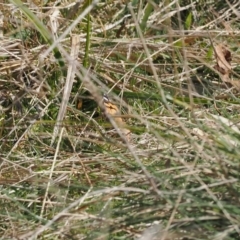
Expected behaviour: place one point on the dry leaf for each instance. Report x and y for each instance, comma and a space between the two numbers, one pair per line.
224, 58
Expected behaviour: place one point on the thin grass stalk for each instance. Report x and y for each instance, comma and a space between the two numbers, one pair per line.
68, 84
87, 46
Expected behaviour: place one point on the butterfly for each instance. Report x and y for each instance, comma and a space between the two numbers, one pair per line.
110, 107
112, 110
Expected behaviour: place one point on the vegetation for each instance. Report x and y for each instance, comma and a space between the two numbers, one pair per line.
165, 165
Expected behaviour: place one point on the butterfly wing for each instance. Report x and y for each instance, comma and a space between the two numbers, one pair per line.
113, 110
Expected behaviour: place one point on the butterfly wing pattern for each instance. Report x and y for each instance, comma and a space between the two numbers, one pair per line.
113, 111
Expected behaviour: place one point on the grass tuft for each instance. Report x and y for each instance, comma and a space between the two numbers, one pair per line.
68, 171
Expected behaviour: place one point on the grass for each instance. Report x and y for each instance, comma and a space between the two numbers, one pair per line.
68, 172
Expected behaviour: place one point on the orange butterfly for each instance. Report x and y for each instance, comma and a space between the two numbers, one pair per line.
113, 110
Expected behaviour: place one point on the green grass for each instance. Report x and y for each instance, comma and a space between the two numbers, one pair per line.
177, 177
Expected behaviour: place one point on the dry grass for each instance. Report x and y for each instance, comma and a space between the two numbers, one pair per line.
68, 172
